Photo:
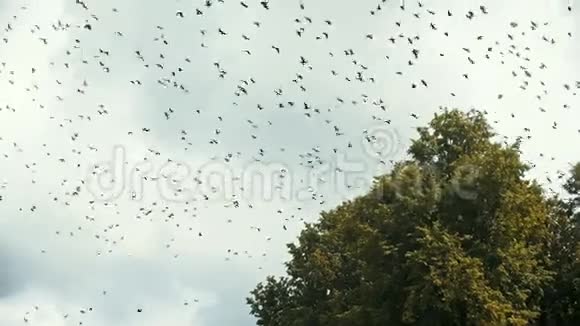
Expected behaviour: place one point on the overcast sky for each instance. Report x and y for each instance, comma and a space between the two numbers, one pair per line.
134, 135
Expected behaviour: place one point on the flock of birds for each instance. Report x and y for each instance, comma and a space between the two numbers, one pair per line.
313, 94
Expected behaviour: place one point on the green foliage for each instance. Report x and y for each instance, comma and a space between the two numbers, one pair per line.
573, 185
455, 236
562, 301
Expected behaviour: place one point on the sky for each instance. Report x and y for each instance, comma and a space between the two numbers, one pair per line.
157, 159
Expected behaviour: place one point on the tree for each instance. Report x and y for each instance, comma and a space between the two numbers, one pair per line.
454, 236
562, 301
572, 186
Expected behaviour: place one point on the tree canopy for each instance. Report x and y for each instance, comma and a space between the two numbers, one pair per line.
456, 235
